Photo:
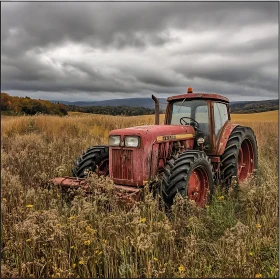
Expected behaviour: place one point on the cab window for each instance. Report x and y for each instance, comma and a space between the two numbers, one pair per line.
194, 109
220, 117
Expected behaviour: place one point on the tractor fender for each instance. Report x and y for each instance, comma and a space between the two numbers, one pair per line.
224, 136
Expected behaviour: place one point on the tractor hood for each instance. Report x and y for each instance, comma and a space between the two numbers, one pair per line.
168, 132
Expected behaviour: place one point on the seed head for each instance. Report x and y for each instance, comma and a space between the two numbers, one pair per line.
87, 242
143, 220
181, 268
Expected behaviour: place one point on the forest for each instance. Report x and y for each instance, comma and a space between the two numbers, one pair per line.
14, 105
112, 110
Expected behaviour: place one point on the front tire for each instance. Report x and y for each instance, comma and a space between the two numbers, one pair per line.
94, 159
191, 175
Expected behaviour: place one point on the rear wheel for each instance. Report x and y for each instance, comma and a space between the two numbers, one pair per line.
95, 159
191, 175
240, 157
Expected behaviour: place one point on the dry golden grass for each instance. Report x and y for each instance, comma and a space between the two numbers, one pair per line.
270, 116
44, 235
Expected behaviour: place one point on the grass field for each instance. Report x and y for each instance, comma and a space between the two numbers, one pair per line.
45, 236
270, 116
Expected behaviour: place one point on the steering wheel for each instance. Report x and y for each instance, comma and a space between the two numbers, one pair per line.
193, 122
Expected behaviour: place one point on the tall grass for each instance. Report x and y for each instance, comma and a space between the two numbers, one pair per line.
45, 235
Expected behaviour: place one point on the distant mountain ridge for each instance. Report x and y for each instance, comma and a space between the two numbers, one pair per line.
130, 102
236, 106
244, 107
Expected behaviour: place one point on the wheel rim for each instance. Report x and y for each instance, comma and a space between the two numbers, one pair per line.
245, 164
198, 186
103, 168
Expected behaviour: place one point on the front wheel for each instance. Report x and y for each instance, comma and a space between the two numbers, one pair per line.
95, 159
191, 176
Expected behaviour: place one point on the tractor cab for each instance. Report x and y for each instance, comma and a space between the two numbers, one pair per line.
206, 113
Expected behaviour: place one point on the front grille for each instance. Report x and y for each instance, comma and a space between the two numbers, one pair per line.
122, 164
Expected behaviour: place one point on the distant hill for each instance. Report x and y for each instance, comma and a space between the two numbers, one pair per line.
129, 102
247, 107
241, 107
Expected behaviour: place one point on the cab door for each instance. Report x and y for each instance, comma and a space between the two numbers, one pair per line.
221, 116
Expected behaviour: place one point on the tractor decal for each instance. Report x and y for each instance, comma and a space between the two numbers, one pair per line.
174, 137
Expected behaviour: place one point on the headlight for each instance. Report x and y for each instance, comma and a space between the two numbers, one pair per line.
131, 141
114, 140
200, 141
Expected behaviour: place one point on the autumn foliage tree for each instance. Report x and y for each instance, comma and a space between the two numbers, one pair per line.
28, 106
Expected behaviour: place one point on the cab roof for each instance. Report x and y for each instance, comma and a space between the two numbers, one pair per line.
212, 96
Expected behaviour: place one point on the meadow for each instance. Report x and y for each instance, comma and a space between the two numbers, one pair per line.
44, 235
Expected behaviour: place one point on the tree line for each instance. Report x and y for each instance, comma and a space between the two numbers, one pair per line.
112, 110
15, 105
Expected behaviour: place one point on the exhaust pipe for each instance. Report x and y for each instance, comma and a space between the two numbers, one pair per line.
156, 109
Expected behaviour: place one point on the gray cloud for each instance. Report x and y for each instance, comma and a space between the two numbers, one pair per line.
131, 49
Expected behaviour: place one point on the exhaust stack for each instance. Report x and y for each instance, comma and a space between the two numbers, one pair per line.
156, 109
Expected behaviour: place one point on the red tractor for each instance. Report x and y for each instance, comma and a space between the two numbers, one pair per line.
197, 147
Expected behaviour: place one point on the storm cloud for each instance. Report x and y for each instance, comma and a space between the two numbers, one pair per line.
95, 51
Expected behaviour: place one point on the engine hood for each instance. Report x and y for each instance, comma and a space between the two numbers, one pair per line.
152, 131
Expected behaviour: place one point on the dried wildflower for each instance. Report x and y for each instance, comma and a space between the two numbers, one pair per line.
59, 251
181, 268
74, 265
258, 226
221, 197
155, 259
29, 206
28, 240
143, 220
190, 219
87, 242
81, 262
4, 199
258, 275
251, 254
105, 241
100, 253
71, 218
88, 228
72, 247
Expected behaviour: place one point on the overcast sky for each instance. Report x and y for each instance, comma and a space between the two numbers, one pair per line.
95, 51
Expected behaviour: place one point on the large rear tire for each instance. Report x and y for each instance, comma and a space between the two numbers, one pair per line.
189, 175
240, 157
94, 159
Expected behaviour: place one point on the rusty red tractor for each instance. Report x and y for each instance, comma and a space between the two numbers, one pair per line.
196, 148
